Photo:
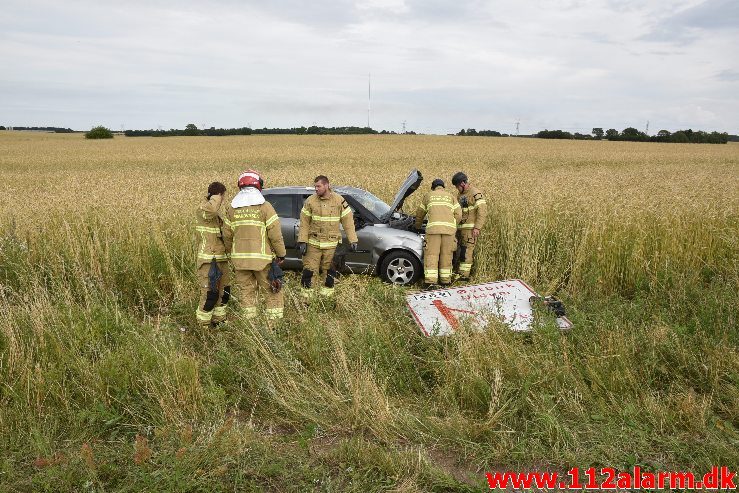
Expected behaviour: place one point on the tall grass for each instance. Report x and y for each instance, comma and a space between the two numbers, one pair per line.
101, 389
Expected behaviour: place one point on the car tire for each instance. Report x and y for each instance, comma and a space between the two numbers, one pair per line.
399, 267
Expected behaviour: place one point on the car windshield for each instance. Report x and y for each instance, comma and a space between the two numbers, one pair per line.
376, 206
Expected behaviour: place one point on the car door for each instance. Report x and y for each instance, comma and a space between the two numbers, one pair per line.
361, 260
284, 205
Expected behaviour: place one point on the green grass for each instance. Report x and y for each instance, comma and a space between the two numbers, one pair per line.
92, 353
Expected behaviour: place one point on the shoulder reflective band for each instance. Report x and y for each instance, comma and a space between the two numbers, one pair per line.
306, 212
271, 220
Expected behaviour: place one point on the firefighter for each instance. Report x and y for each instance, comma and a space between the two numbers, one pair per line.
320, 235
253, 237
212, 261
474, 212
444, 213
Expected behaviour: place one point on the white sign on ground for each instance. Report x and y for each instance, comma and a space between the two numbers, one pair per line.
441, 312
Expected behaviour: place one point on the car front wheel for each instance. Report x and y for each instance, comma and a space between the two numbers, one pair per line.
399, 267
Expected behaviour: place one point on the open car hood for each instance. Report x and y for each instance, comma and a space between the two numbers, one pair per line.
409, 186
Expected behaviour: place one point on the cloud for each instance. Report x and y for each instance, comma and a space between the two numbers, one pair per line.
728, 75
439, 65
691, 23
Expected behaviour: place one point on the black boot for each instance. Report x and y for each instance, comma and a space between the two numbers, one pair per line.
306, 280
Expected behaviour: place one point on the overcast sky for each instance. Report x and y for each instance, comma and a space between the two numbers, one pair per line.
439, 65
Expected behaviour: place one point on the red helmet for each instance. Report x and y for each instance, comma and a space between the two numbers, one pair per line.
251, 178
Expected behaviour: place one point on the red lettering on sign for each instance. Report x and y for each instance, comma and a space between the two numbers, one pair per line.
447, 313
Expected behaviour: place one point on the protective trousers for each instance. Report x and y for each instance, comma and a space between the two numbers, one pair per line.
250, 282
468, 249
437, 258
317, 261
212, 304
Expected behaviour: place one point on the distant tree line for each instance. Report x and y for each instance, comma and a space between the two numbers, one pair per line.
561, 134
633, 135
58, 130
628, 134
471, 132
192, 130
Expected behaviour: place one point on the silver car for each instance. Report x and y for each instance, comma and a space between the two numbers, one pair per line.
388, 244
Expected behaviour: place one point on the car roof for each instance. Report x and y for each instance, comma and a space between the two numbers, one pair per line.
307, 190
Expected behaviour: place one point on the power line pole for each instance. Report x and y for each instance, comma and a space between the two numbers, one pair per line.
403, 126
647, 131
518, 122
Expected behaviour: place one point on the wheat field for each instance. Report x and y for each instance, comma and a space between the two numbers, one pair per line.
102, 390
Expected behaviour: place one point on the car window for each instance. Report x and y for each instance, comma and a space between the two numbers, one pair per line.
371, 203
283, 204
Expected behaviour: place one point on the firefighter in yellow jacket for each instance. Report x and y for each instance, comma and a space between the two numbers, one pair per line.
443, 213
474, 212
212, 261
253, 237
320, 235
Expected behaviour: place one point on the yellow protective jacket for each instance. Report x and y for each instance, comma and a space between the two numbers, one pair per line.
253, 236
443, 211
320, 218
208, 230
474, 214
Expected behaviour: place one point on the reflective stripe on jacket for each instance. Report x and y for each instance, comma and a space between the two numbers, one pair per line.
473, 216
443, 211
320, 218
208, 231
253, 236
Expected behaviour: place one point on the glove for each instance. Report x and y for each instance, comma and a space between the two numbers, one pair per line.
353, 247
214, 275
302, 248
275, 276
